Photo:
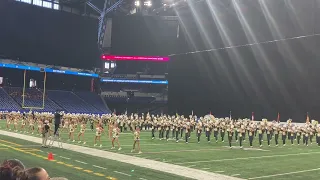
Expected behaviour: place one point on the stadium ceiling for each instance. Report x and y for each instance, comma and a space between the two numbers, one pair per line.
126, 7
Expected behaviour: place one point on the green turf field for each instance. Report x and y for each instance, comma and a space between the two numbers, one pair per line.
287, 163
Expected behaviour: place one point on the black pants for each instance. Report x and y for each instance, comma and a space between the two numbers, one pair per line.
167, 134
260, 139
215, 134
250, 140
284, 139
173, 131
187, 136
222, 136
318, 140
236, 135
208, 133
306, 140
268, 138
230, 139
177, 135
56, 127
291, 138
298, 139
276, 137
152, 132
199, 134
311, 138
240, 139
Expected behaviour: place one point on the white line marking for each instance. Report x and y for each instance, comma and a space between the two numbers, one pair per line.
205, 168
122, 173
99, 167
295, 172
142, 179
81, 162
218, 171
64, 157
245, 158
192, 165
235, 175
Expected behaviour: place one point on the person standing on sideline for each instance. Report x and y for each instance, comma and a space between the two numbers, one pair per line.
45, 134
57, 121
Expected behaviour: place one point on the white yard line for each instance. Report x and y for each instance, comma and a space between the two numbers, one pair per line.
246, 158
142, 179
99, 167
122, 173
218, 171
81, 162
205, 168
141, 162
64, 157
295, 172
235, 175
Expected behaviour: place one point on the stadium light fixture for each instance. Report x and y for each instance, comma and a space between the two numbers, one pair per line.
148, 3
137, 3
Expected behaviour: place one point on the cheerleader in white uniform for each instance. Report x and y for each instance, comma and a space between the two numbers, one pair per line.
115, 136
81, 133
136, 141
71, 132
99, 131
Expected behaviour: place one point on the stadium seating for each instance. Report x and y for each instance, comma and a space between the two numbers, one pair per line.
71, 102
7, 103
33, 98
95, 100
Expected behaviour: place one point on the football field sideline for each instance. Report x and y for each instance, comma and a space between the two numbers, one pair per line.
146, 163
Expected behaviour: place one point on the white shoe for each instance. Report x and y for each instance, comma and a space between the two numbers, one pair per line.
276, 145
113, 148
84, 142
236, 140
231, 147
139, 152
251, 146
152, 137
100, 145
222, 141
95, 145
79, 142
177, 141
284, 145
241, 147
74, 141
186, 142
260, 145
119, 148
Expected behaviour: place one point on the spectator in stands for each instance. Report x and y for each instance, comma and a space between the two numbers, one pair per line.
12, 163
35, 173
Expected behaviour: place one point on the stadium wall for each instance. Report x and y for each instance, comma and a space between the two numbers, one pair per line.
47, 36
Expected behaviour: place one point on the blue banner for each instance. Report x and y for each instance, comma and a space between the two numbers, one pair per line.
33, 68
135, 81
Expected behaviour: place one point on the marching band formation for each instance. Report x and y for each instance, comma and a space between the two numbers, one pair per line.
166, 127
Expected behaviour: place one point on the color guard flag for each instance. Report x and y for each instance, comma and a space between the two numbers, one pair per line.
252, 116
278, 118
230, 115
308, 119
192, 112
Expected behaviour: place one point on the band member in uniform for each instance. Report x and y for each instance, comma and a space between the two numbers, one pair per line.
276, 133
251, 133
269, 130
136, 140
318, 136
298, 135
260, 134
199, 129
115, 136
284, 135
230, 134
